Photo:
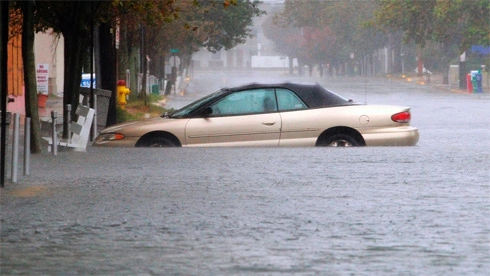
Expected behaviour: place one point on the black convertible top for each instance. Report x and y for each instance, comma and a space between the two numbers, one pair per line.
313, 94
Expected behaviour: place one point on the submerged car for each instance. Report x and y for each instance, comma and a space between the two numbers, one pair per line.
285, 114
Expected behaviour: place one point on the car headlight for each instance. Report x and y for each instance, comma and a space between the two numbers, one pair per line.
106, 137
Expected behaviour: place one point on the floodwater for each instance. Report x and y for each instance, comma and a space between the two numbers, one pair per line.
422, 210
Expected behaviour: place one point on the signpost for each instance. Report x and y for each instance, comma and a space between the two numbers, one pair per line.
175, 60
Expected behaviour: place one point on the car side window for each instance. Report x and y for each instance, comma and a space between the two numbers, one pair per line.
246, 102
287, 100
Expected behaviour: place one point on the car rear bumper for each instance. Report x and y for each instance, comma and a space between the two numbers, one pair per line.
396, 136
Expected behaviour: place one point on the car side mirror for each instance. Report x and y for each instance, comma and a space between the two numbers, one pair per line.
207, 111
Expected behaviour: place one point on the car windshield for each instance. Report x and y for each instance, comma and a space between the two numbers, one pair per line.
188, 109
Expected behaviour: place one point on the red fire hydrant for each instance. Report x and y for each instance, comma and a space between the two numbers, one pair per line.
122, 93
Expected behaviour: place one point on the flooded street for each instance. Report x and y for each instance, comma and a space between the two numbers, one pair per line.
421, 210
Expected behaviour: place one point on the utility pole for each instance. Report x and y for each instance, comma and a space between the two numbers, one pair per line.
4, 29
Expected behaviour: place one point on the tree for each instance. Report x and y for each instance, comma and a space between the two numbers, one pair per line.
454, 25
108, 77
4, 29
228, 27
286, 38
140, 23
22, 23
30, 83
185, 25
72, 19
331, 31
319, 45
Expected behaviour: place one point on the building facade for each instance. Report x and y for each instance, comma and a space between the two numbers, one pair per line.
48, 51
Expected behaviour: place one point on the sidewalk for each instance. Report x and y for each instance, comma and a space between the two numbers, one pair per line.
435, 81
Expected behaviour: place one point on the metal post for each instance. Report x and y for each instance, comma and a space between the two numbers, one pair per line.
93, 98
54, 146
94, 122
27, 146
66, 121
15, 148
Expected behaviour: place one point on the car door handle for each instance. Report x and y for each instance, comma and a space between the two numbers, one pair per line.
269, 123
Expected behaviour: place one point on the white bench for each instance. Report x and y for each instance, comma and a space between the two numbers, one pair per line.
79, 130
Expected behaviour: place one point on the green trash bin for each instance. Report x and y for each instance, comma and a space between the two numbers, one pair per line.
155, 90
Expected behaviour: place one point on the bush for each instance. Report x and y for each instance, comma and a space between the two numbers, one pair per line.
137, 108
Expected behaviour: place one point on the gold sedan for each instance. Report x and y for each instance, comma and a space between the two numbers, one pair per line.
286, 114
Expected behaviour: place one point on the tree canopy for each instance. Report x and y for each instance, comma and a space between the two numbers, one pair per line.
452, 25
343, 29
160, 24
326, 31
460, 23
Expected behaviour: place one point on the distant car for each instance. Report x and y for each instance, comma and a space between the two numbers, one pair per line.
285, 114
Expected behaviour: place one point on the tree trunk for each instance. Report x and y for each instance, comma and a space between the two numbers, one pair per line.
75, 51
30, 75
397, 58
445, 76
76, 33
420, 64
4, 30
108, 69
142, 93
446, 60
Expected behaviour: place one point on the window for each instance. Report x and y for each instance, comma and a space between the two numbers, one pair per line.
287, 100
246, 102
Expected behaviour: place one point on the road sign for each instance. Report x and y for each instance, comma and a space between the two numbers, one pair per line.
174, 61
174, 51
42, 77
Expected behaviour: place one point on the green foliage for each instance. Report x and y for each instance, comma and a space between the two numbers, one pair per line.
324, 31
223, 27
443, 29
73, 20
166, 24
456, 22
185, 25
139, 108
123, 115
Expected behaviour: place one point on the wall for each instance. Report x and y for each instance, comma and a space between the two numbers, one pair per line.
48, 49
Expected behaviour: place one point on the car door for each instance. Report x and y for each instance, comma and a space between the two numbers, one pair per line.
243, 118
299, 124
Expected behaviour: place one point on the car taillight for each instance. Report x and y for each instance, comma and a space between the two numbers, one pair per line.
402, 117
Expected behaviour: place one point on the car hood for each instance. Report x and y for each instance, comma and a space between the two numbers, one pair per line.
137, 123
